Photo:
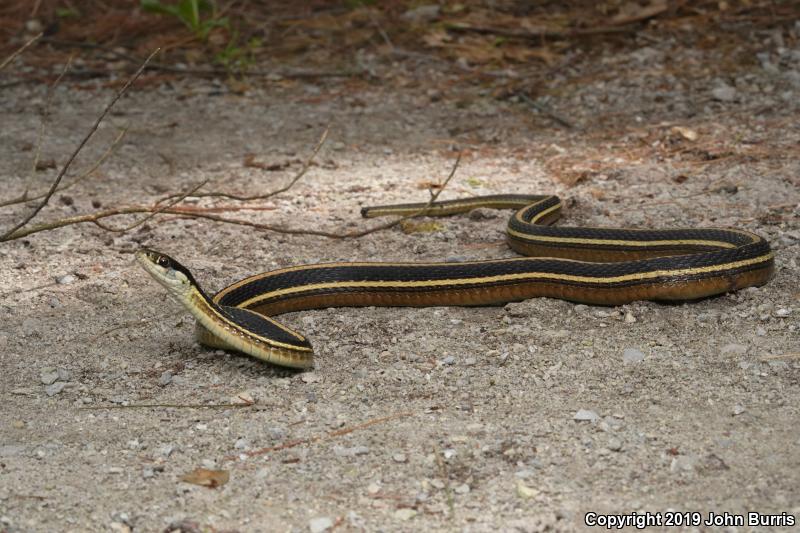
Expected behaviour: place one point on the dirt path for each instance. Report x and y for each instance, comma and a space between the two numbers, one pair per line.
688, 407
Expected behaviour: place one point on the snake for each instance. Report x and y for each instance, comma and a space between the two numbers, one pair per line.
589, 265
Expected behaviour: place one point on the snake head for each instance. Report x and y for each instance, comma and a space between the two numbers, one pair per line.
168, 272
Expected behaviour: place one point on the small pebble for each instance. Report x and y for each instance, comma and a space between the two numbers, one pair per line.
55, 388
737, 410
614, 444
517, 309
632, 355
320, 524
48, 375
585, 415
66, 279
462, 489
399, 458
405, 514
243, 398
423, 13
733, 349
524, 491
165, 379
783, 312
724, 93
277, 433
449, 360
683, 463
629, 318
481, 213
310, 377
166, 450
352, 451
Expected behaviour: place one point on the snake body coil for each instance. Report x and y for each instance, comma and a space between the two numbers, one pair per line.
590, 265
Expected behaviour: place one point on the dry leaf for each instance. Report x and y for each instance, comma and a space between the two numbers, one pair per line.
686, 133
437, 38
633, 12
523, 54
206, 478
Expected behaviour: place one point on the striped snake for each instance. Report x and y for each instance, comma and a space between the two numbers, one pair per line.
605, 266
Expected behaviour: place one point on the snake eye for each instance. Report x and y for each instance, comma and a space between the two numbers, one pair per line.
162, 261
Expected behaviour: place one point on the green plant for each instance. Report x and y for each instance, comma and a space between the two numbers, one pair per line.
236, 58
189, 12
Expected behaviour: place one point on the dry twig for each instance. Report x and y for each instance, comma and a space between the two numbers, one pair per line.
243, 198
24, 197
194, 213
19, 50
8, 235
317, 438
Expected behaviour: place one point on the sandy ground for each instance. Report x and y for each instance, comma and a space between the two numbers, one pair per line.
690, 407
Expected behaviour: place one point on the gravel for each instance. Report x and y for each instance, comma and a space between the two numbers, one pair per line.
632, 355
515, 414
585, 415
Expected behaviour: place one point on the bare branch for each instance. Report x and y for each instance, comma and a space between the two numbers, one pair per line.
294, 180
317, 438
156, 210
21, 49
194, 213
8, 234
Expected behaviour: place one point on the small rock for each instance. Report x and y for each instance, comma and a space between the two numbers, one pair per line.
614, 444
241, 444
737, 410
119, 527
277, 433
449, 360
166, 450
629, 318
683, 463
373, 488
516, 309
632, 355
733, 349
399, 458
462, 489
481, 213
48, 375
724, 93
55, 388
405, 514
526, 492
165, 379
33, 26
352, 451
310, 377
66, 279
585, 415
425, 13
320, 524
783, 312
470, 361
243, 398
